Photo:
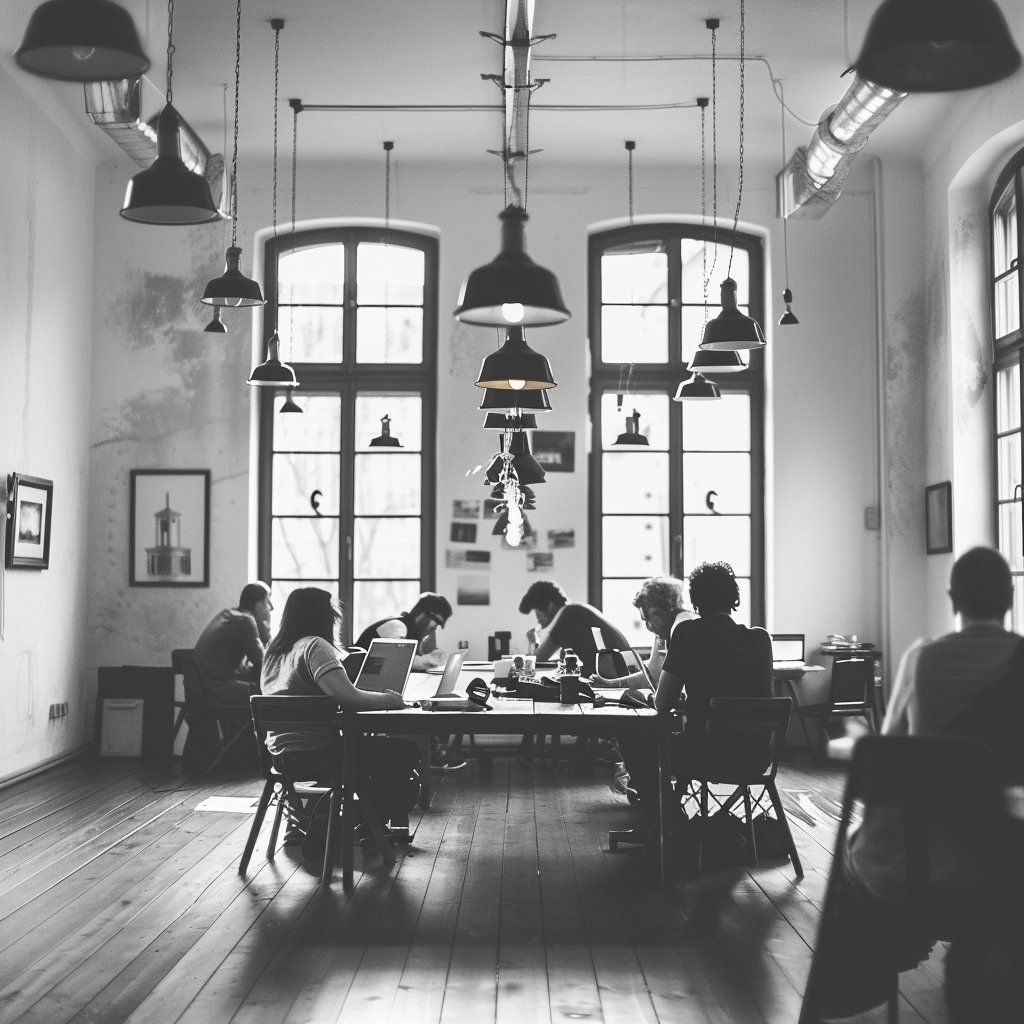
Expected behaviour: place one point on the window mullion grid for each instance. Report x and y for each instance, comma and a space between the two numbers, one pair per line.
346, 532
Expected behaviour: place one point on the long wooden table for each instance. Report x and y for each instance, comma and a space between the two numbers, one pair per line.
507, 716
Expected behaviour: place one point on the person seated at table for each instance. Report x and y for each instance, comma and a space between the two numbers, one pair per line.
419, 623
303, 659
231, 647
708, 656
562, 624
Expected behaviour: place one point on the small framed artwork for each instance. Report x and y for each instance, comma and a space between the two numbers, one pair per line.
938, 504
169, 528
29, 512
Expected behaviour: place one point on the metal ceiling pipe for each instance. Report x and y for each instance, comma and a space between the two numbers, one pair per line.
517, 88
116, 106
814, 177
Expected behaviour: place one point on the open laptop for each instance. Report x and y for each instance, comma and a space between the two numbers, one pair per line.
387, 665
787, 650
450, 676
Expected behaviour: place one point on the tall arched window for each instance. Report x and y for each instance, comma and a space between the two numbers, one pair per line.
696, 492
1008, 342
357, 317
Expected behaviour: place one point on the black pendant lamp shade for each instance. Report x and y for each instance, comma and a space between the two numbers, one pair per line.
789, 317
511, 289
515, 366
233, 288
216, 325
528, 469
526, 401
937, 45
272, 373
731, 330
81, 41
697, 388
384, 438
632, 435
708, 361
289, 404
167, 192
505, 421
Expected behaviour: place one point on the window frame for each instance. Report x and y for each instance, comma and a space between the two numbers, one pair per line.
663, 378
347, 378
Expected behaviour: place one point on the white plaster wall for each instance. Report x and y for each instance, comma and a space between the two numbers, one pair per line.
168, 395
46, 224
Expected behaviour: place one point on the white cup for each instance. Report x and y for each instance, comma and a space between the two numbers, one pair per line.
502, 668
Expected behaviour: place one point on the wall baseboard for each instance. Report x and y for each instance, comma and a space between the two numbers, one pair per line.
10, 780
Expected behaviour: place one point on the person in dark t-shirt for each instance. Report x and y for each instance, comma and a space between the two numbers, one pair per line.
419, 623
567, 624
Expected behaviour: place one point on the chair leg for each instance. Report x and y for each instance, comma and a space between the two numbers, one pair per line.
257, 824
780, 813
333, 814
245, 730
372, 819
807, 735
893, 1005
750, 822
276, 827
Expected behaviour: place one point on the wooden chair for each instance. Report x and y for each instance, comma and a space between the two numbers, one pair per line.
851, 695
304, 714
743, 737
220, 728
944, 789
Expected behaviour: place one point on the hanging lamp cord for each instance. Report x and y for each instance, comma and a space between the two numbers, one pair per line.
739, 193
295, 158
388, 146
704, 205
170, 51
714, 149
234, 149
277, 70
630, 146
785, 219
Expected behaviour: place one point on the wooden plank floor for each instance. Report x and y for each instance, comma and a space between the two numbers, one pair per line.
119, 901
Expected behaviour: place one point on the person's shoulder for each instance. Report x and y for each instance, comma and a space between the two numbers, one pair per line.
393, 629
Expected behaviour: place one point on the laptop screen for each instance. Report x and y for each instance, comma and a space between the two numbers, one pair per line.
387, 665
787, 646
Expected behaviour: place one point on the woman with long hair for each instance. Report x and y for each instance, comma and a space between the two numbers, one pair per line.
303, 659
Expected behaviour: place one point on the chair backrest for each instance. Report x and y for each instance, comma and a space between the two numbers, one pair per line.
853, 683
193, 678
282, 714
951, 813
749, 733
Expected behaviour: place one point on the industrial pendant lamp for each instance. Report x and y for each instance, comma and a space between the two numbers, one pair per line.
216, 325
937, 45
511, 289
528, 469
289, 404
519, 401
272, 373
632, 435
697, 388
81, 41
515, 366
233, 288
710, 361
731, 329
167, 192
384, 438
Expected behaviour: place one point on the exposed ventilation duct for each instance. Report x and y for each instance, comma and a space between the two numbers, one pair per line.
116, 108
813, 179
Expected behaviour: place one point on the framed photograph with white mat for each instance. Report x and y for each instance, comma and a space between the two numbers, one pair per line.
29, 512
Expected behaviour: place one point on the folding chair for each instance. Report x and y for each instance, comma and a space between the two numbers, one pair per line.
220, 728
950, 809
851, 695
742, 740
304, 714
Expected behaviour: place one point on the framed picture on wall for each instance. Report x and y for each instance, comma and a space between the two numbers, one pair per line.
169, 528
938, 505
29, 511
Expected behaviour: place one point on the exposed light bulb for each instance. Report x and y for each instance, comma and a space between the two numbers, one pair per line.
516, 385
513, 312
232, 302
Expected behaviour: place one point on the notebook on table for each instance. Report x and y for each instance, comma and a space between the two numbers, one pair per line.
387, 665
787, 650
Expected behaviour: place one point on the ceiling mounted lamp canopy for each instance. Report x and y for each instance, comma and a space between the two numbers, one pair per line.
233, 288
515, 366
937, 45
697, 388
511, 290
519, 401
632, 435
384, 438
732, 330
710, 361
81, 41
272, 373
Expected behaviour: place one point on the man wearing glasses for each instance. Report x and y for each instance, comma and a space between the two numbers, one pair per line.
420, 623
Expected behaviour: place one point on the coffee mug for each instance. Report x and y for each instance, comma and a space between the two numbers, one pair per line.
569, 689
502, 668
